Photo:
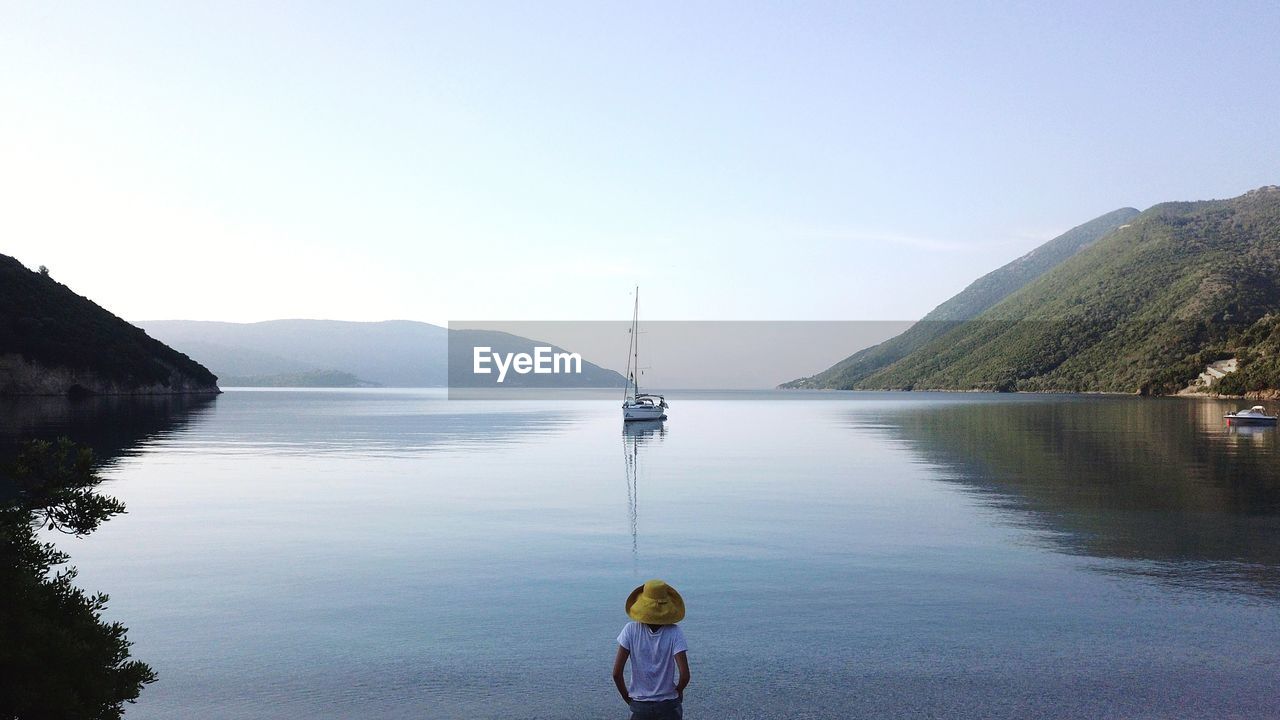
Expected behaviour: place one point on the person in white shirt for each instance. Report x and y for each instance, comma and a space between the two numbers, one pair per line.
656, 646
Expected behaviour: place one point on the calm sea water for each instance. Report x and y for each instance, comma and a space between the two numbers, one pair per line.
392, 554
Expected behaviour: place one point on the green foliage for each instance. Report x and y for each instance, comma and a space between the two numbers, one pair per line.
1142, 310
1258, 350
980, 295
45, 322
59, 658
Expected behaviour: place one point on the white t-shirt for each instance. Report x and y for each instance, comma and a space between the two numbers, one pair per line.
653, 660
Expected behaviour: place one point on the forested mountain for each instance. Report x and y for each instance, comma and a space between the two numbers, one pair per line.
981, 294
55, 342
1143, 310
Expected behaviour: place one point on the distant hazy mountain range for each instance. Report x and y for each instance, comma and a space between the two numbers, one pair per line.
332, 353
396, 353
1128, 302
55, 342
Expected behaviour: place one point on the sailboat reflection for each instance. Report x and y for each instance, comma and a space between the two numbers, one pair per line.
634, 434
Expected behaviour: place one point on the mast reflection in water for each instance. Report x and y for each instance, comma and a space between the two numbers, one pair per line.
634, 434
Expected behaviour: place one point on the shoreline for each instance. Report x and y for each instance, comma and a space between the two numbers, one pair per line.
1254, 395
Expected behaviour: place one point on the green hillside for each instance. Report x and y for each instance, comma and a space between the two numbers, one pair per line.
53, 341
983, 293
1141, 310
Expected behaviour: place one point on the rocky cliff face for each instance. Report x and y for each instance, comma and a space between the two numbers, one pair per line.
24, 377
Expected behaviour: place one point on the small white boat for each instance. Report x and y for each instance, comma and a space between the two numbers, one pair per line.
644, 407
1256, 415
635, 404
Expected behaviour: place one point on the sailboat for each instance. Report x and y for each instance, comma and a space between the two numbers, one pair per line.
635, 404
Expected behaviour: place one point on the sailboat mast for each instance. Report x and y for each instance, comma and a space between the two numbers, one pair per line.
635, 343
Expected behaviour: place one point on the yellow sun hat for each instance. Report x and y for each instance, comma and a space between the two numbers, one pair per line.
655, 603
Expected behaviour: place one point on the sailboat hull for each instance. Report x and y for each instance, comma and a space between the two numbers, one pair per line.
632, 413
642, 412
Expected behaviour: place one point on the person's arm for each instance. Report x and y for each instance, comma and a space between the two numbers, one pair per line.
682, 664
619, 662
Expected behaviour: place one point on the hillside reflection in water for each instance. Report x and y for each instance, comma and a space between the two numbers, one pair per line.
1161, 484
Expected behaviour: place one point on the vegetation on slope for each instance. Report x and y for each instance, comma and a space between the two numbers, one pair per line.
983, 293
1142, 310
1258, 350
49, 324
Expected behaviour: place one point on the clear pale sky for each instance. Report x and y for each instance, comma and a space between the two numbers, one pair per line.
228, 161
